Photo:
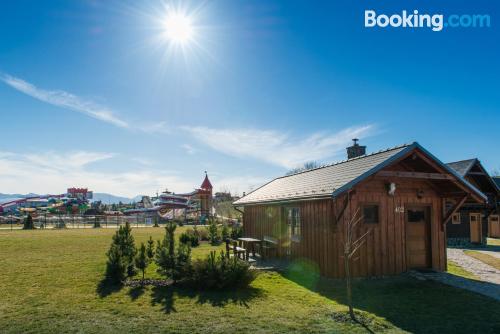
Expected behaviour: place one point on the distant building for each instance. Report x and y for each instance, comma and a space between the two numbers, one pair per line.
475, 221
82, 194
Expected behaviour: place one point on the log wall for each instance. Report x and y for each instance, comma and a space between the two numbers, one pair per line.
384, 252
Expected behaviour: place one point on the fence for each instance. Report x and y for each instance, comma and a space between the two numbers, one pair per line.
80, 221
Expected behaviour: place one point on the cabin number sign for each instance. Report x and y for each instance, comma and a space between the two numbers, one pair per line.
400, 209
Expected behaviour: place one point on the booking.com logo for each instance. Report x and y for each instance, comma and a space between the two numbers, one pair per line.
436, 22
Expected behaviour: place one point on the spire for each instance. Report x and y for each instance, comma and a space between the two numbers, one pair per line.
206, 182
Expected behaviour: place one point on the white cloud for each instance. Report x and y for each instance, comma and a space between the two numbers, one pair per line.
189, 149
238, 184
66, 100
69, 101
55, 172
276, 147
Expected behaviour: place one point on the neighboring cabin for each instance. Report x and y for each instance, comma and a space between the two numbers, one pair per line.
401, 193
474, 221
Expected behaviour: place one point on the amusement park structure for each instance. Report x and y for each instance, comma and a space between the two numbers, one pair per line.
75, 199
196, 205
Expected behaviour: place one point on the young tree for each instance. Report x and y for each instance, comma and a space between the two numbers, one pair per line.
213, 233
351, 246
124, 239
28, 223
306, 166
165, 251
172, 264
116, 266
150, 250
142, 260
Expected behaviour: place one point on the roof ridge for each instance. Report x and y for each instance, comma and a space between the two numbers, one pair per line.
464, 160
348, 160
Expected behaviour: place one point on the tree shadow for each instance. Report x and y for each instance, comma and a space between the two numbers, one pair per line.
136, 292
105, 287
408, 303
165, 296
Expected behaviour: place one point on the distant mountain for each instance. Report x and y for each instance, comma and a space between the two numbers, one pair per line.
103, 197
11, 197
110, 199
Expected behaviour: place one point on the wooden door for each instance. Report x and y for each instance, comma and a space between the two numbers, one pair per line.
494, 226
418, 237
476, 233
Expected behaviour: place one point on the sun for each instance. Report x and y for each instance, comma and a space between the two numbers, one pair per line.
178, 28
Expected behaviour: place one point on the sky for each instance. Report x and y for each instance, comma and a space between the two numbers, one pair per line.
95, 93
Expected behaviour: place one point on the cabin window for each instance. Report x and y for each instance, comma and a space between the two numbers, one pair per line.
293, 221
494, 219
370, 214
473, 218
455, 219
416, 216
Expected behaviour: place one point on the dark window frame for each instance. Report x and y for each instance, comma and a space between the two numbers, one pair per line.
456, 221
366, 205
293, 219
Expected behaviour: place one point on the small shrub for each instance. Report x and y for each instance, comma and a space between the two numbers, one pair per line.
225, 232
203, 234
28, 223
221, 272
190, 237
236, 232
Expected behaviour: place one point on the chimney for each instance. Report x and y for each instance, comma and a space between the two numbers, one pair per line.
355, 150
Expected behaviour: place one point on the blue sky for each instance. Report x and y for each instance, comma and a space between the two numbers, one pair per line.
93, 95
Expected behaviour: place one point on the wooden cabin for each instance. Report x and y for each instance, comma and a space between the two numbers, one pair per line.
474, 221
401, 193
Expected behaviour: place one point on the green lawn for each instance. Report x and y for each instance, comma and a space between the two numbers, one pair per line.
493, 241
49, 284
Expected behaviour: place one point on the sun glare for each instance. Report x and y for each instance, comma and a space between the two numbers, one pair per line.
178, 28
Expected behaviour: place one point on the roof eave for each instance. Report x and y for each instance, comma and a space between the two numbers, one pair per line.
283, 200
374, 170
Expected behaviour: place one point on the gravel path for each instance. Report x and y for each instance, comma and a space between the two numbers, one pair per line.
480, 269
495, 254
489, 276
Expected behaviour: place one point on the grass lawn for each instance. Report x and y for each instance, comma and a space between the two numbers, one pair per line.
49, 284
488, 259
493, 242
456, 270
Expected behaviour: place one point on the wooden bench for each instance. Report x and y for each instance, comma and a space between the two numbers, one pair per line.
240, 252
268, 245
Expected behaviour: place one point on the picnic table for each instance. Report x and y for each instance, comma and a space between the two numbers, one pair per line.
250, 242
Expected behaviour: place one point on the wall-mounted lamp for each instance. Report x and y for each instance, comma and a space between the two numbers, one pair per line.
420, 193
391, 188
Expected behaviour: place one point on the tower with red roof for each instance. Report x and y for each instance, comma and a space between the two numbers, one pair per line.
205, 195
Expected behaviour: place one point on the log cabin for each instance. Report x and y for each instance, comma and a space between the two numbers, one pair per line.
474, 222
400, 192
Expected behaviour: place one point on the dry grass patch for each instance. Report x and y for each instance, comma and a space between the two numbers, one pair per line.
485, 258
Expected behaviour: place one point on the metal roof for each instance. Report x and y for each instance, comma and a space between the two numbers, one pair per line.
497, 180
462, 167
318, 182
332, 180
